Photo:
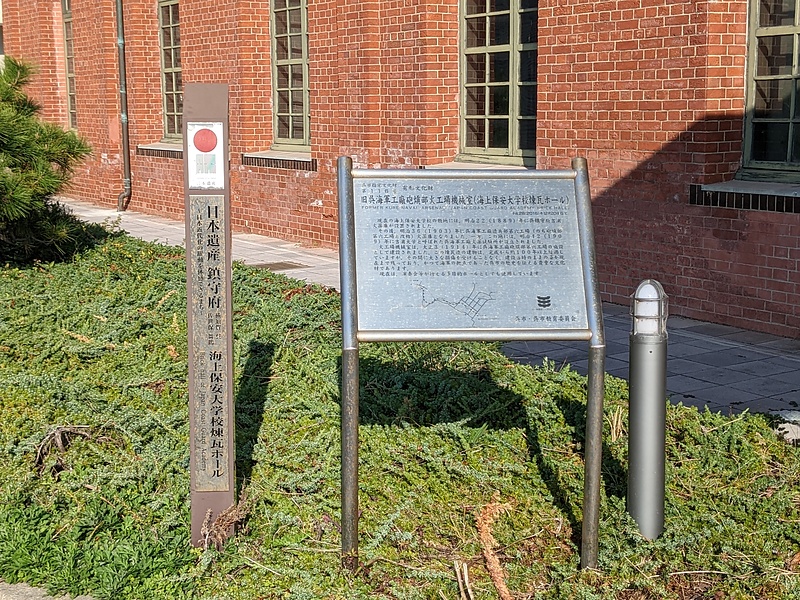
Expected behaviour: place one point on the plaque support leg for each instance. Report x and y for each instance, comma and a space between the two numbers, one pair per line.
350, 458
593, 457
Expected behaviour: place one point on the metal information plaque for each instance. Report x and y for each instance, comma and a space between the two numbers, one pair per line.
438, 255
212, 457
213, 389
461, 253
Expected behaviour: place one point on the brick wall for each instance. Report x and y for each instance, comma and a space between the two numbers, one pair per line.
651, 93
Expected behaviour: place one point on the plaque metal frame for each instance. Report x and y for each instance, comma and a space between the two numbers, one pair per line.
351, 255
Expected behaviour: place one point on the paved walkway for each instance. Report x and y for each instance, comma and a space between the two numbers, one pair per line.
724, 368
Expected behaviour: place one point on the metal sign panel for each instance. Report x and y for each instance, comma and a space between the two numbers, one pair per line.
454, 253
210, 313
205, 158
468, 255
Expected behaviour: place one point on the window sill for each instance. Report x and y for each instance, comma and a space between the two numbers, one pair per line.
497, 160
755, 187
161, 149
748, 195
478, 166
298, 161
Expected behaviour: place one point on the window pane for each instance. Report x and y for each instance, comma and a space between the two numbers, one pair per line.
295, 21
297, 46
476, 32
797, 99
297, 76
167, 58
282, 48
297, 102
476, 68
476, 6
499, 100
528, 27
773, 98
498, 5
498, 70
770, 141
529, 4
281, 24
283, 101
499, 30
527, 65
796, 146
527, 135
498, 133
297, 128
283, 76
476, 133
279, 4
476, 101
776, 12
527, 100
774, 55
294, 2
283, 126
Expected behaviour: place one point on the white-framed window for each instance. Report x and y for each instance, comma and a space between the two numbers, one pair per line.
69, 63
498, 79
171, 82
290, 74
772, 121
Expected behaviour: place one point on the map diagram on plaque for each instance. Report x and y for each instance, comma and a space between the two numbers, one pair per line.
470, 305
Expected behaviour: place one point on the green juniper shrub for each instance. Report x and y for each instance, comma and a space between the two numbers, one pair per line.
94, 458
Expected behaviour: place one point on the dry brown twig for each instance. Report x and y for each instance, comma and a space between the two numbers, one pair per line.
484, 521
216, 531
59, 438
462, 576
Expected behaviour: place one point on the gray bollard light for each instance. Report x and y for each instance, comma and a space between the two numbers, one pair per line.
647, 414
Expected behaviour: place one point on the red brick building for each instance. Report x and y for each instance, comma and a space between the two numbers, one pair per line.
688, 112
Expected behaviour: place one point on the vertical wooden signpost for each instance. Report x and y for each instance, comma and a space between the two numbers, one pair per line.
208, 280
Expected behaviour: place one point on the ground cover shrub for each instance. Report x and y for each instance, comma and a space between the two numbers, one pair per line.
464, 455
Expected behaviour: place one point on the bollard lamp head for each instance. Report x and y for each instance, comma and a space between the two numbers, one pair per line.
649, 309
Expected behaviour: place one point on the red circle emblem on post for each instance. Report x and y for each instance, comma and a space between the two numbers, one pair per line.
205, 140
